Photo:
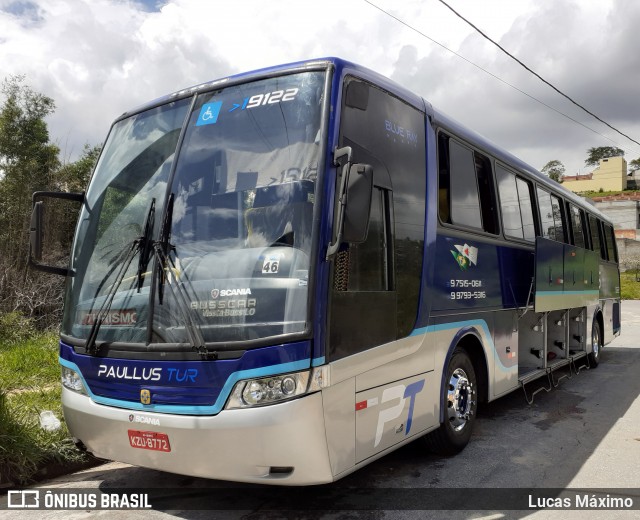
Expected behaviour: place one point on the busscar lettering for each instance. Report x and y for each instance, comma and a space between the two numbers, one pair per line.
226, 308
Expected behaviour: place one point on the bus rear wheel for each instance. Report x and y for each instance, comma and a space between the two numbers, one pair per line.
596, 344
459, 402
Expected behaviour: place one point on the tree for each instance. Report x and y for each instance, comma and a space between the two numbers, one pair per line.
73, 177
634, 165
27, 162
554, 170
601, 152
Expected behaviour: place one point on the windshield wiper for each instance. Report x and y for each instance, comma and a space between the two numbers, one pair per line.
141, 245
91, 347
166, 271
165, 232
146, 245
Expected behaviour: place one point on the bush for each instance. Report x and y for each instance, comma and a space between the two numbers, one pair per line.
15, 328
629, 286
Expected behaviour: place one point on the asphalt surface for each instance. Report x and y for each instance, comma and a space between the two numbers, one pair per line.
583, 435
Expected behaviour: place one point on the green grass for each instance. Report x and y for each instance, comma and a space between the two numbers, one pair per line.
629, 287
592, 194
30, 363
30, 384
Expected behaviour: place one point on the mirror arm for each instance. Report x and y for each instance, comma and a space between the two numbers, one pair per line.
338, 154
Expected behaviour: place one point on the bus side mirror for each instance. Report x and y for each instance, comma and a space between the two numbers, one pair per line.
358, 203
36, 229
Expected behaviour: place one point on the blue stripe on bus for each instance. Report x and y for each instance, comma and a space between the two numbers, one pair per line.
196, 410
459, 325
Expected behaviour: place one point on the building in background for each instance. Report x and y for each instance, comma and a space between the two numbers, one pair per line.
610, 175
624, 210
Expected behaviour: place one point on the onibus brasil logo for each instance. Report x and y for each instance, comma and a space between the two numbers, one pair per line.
466, 256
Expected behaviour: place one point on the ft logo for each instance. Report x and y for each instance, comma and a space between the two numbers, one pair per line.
399, 393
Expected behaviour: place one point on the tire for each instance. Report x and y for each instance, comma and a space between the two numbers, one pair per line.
596, 344
459, 402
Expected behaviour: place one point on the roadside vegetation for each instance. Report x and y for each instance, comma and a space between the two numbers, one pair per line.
594, 194
630, 285
30, 384
31, 301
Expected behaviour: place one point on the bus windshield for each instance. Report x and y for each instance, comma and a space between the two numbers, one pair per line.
239, 191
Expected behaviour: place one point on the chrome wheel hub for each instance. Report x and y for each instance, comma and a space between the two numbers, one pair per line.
459, 399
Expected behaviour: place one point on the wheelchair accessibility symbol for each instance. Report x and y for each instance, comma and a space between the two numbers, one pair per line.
209, 113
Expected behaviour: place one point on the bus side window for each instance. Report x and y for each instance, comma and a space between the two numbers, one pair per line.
594, 231
466, 196
561, 231
444, 188
488, 202
465, 202
516, 204
576, 226
551, 216
610, 240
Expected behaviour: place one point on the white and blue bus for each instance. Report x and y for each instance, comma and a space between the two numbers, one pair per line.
281, 276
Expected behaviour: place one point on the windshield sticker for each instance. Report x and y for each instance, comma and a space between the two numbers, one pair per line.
270, 266
270, 98
271, 263
225, 308
118, 318
209, 113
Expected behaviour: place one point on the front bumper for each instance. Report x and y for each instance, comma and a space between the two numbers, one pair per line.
279, 444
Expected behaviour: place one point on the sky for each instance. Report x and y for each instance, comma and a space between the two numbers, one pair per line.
99, 58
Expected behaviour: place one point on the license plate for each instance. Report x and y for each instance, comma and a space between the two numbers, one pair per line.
149, 440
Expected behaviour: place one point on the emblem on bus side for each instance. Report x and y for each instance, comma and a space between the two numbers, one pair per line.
145, 396
466, 256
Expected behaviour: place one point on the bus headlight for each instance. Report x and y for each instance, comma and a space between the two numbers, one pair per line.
274, 389
72, 380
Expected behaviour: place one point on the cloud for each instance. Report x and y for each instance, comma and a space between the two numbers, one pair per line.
584, 51
99, 58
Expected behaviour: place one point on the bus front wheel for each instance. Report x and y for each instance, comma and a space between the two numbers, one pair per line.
459, 401
596, 344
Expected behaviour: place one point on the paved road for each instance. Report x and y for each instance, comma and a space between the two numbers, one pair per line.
584, 434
